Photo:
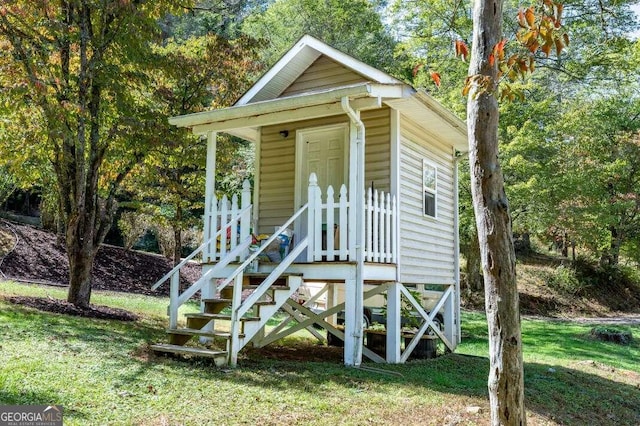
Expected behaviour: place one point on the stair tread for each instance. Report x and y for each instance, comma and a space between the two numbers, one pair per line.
198, 332
219, 316
273, 287
266, 274
177, 349
259, 302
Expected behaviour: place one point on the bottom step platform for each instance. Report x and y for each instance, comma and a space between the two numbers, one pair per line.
219, 357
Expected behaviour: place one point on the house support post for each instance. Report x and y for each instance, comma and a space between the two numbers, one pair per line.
394, 324
209, 195
332, 300
209, 289
353, 328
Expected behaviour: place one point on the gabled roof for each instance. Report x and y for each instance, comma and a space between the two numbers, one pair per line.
297, 60
264, 104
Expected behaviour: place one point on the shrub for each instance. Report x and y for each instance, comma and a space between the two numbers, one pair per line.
133, 226
564, 279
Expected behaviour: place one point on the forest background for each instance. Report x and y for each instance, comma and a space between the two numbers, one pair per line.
569, 144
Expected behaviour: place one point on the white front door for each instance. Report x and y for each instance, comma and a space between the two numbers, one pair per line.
323, 151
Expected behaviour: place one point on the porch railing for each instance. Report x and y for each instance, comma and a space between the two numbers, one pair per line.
219, 216
331, 233
227, 239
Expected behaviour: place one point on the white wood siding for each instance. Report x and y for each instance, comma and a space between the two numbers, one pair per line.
324, 73
426, 243
277, 163
377, 147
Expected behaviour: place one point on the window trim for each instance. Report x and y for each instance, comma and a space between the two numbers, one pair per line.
428, 190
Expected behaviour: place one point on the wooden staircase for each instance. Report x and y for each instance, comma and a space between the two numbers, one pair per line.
220, 335
229, 322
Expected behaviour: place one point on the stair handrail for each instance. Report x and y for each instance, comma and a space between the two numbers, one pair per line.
271, 278
199, 249
262, 248
186, 295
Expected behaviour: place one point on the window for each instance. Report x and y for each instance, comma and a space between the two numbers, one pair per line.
429, 187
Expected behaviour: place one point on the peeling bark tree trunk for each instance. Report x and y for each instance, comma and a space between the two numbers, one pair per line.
506, 384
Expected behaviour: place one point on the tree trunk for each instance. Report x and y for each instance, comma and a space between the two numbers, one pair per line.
506, 382
81, 253
611, 255
80, 266
177, 247
475, 281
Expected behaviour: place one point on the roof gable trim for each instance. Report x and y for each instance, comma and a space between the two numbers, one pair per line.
320, 48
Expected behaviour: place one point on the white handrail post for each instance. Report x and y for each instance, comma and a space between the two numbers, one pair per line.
330, 224
224, 220
174, 293
387, 229
343, 228
396, 229
211, 247
368, 211
376, 243
317, 223
245, 220
233, 229
311, 210
236, 300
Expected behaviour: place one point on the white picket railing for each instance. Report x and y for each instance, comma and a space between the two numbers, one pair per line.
219, 216
328, 226
379, 216
227, 239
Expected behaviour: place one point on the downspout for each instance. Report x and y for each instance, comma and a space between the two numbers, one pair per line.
457, 156
358, 196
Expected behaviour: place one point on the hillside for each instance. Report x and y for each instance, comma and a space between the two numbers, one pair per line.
38, 257
556, 287
547, 286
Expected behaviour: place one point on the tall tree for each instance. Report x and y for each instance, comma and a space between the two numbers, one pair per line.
76, 62
195, 74
506, 375
353, 26
599, 179
488, 65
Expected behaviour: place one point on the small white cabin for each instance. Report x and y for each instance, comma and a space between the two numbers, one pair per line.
363, 169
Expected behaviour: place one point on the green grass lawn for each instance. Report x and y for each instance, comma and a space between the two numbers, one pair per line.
102, 373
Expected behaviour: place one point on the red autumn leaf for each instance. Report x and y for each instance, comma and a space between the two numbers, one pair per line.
461, 49
559, 8
417, 69
498, 49
492, 59
559, 46
436, 78
530, 16
521, 19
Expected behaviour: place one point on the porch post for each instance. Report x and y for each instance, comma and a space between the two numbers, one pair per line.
394, 299
350, 321
209, 193
209, 289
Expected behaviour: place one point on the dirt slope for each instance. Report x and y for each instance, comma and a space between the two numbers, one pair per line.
37, 257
